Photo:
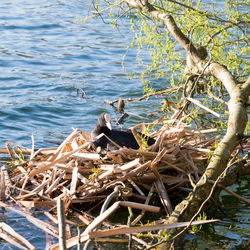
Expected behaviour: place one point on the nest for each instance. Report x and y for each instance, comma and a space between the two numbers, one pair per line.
93, 183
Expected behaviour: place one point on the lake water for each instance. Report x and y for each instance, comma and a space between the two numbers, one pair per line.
45, 55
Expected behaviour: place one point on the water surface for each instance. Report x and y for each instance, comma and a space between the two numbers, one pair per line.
45, 55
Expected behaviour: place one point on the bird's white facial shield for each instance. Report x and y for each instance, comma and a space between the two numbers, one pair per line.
108, 121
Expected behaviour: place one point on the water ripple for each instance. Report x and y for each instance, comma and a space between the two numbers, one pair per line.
44, 56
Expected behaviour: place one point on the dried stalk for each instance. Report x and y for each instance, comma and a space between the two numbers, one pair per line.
61, 224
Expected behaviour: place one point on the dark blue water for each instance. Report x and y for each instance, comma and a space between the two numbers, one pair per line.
45, 54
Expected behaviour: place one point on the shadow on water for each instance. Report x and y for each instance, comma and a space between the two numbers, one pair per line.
232, 232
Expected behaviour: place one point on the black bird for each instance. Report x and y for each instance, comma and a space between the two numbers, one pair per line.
122, 137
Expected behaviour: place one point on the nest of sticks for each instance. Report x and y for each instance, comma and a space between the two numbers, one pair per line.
151, 181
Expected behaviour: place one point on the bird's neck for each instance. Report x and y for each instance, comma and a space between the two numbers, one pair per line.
99, 130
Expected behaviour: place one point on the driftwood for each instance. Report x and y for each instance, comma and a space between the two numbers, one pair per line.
74, 173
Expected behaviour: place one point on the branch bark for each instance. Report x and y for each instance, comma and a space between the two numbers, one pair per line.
237, 106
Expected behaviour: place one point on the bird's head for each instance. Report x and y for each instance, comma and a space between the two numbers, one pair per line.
105, 121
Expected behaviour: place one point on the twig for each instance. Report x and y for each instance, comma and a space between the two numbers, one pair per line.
232, 193
164, 196
2, 185
61, 224
146, 203
162, 92
33, 147
43, 225
198, 103
203, 203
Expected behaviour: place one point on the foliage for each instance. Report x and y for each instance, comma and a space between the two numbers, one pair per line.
95, 171
209, 45
220, 26
195, 229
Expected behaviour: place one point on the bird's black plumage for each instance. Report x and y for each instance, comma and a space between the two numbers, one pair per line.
122, 137
103, 125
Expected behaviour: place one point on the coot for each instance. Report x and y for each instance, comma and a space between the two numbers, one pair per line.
122, 137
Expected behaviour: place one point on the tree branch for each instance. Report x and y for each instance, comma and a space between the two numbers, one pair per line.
237, 113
